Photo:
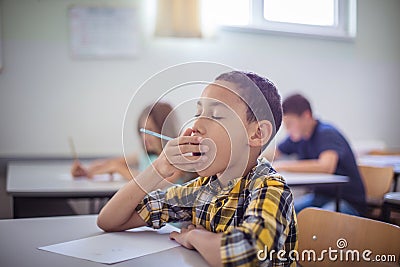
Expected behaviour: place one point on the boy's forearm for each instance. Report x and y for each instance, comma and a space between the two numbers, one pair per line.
302, 166
208, 244
326, 163
121, 208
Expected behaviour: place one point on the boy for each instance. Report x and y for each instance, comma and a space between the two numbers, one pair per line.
239, 205
320, 147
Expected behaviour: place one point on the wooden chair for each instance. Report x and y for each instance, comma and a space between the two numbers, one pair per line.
320, 229
391, 202
384, 153
377, 182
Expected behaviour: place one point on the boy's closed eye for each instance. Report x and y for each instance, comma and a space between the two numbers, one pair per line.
211, 109
212, 117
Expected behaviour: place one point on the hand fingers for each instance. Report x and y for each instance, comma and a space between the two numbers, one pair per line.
100, 169
189, 148
185, 140
187, 132
173, 235
77, 169
187, 160
173, 178
78, 173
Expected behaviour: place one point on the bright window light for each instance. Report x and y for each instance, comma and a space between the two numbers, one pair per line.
226, 12
321, 18
311, 12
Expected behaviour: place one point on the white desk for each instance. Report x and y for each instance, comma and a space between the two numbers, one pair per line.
313, 179
51, 179
20, 238
47, 179
383, 161
294, 179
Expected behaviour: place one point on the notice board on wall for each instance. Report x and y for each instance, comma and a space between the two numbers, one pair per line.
103, 31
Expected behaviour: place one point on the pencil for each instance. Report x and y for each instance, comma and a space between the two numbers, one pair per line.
72, 147
164, 137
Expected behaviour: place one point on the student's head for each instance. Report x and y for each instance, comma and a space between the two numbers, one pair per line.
241, 113
297, 115
154, 118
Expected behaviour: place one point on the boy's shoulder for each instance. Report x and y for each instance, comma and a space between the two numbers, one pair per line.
264, 175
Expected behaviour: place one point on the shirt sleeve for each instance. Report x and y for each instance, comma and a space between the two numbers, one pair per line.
266, 226
287, 147
332, 140
171, 205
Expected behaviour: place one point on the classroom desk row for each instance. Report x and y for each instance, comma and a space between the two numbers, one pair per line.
50, 180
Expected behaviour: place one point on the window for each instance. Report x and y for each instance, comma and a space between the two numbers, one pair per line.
322, 18
311, 12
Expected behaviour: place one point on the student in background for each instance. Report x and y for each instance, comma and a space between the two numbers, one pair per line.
152, 118
320, 147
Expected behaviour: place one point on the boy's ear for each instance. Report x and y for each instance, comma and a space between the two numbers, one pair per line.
260, 133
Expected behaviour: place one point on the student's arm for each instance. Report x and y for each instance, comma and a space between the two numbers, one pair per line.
206, 243
77, 169
267, 223
132, 160
326, 163
120, 212
110, 166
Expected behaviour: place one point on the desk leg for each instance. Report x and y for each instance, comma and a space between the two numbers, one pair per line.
92, 208
396, 180
15, 208
338, 198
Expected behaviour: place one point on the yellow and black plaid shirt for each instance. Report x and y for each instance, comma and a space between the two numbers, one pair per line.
253, 213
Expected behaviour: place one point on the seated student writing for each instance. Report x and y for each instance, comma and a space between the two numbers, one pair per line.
152, 118
239, 204
320, 147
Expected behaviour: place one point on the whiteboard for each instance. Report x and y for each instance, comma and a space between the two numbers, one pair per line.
103, 31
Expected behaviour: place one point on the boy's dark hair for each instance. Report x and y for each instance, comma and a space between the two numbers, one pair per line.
246, 81
296, 104
163, 117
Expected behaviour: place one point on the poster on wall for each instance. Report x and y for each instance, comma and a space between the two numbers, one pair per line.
103, 31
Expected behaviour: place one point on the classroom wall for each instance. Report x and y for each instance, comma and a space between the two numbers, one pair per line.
46, 96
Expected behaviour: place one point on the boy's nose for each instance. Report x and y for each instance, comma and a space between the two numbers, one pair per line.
197, 128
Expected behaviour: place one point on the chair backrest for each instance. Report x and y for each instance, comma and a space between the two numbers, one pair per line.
321, 229
384, 153
377, 181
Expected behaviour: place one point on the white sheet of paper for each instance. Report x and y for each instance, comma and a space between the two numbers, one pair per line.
111, 248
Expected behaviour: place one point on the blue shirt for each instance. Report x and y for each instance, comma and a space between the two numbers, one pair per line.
326, 137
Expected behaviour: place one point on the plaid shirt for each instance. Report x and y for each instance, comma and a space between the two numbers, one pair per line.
253, 213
